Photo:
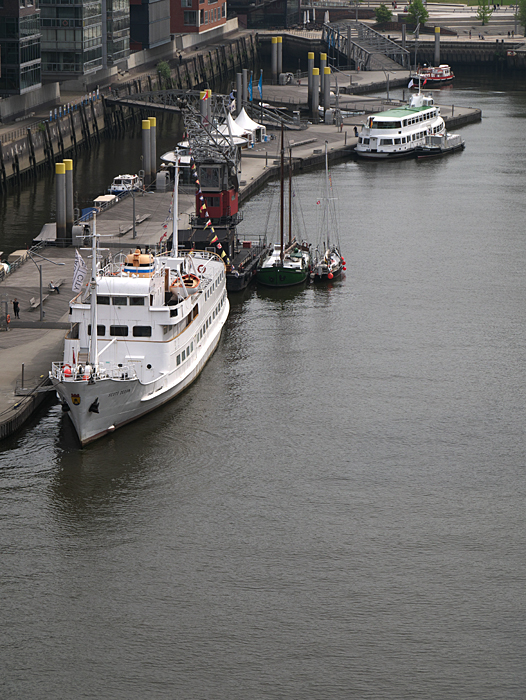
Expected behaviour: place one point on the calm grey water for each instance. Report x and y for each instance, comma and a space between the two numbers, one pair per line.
335, 508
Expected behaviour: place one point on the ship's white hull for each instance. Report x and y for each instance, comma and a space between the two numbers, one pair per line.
120, 401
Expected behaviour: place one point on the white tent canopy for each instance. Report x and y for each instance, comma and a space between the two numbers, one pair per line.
250, 128
235, 129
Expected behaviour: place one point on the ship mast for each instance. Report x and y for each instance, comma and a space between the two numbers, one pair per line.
282, 199
327, 191
93, 353
175, 212
290, 195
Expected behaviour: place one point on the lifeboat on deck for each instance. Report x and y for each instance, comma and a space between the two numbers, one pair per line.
191, 282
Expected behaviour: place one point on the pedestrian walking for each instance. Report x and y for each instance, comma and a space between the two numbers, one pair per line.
16, 308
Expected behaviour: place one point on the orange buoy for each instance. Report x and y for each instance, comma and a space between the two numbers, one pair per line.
330, 275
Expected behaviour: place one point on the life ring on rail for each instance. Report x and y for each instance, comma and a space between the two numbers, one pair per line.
8, 318
201, 269
67, 370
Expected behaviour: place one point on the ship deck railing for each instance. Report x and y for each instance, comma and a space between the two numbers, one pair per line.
78, 373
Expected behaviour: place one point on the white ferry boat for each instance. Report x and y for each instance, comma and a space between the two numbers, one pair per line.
396, 133
125, 183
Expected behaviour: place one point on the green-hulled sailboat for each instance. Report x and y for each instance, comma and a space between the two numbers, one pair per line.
285, 266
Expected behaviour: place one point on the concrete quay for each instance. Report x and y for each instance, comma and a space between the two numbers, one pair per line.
36, 343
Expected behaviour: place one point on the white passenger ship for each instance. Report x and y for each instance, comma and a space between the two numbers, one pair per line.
157, 320
396, 133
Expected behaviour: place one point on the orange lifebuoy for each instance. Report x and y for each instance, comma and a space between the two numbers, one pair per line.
201, 269
8, 318
67, 370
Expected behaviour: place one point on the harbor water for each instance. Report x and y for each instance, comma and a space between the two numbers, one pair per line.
335, 508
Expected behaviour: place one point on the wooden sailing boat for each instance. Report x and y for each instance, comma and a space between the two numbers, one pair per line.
285, 266
328, 262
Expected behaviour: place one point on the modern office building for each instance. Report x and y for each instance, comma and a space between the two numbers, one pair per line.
79, 37
20, 47
196, 16
117, 31
71, 38
150, 23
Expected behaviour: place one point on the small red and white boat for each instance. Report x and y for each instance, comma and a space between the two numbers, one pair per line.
433, 76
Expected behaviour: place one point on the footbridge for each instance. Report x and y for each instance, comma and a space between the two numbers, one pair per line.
368, 49
175, 100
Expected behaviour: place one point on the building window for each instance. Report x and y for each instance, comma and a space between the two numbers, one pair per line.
190, 18
223, 10
119, 331
186, 3
142, 331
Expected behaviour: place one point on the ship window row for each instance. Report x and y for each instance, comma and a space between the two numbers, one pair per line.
185, 354
120, 301
123, 331
420, 118
214, 286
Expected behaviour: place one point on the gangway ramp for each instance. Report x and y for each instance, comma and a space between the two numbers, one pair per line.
367, 48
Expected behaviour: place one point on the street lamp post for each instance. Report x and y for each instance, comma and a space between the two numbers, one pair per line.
40, 277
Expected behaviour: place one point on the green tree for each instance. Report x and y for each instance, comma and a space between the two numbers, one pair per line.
417, 12
522, 14
384, 14
484, 12
163, 69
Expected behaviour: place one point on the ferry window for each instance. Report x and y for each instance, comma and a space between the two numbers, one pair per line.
386, 142
397, 141
178, 360
142, 331
121, 331
103, 300
183, 355
173, 312
119, 301
192, 346
366, 141
136, 301
195, 312
404, 122
403, 139
101, 330
188, 351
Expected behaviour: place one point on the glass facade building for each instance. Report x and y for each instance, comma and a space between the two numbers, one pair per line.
118, 31
71, 38
20, 47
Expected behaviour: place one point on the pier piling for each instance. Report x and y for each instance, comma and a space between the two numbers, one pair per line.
60, 190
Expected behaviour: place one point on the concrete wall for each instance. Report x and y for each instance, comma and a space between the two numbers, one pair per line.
11, 107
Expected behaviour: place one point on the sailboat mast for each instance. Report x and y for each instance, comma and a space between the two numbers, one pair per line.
327, 191
290, 195
175, 213
282, 199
